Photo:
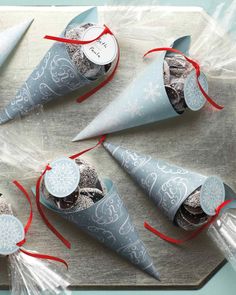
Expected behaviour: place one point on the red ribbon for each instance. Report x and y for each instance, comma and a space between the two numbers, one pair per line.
26, 229
41, 212
79, 42
83, 42
28, 224
197, 69
193, 234
38, 185
44, 256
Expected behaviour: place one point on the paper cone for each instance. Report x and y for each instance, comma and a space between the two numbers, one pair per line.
166, 184
109, 222
144, 101
10, 37
55, 76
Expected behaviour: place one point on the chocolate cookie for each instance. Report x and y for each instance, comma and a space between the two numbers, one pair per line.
176, 69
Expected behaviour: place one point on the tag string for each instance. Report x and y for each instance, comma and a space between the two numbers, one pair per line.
38, 186
192, 234
26, 229
197, 69
84, 42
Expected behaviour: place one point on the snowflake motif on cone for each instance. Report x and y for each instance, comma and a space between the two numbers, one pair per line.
134, 108
151, 92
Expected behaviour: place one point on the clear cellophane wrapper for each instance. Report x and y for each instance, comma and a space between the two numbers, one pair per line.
34, 276
213, 45
30, 275
223, 233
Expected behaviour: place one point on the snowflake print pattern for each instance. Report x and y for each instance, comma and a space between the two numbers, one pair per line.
151, 92
63, 178
11, 233
134, 108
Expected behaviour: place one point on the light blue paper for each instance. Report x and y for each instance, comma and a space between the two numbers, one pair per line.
10, 38
108, 221
144, 101
55, 76
166, 184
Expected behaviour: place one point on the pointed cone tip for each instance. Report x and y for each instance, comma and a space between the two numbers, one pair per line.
152, 271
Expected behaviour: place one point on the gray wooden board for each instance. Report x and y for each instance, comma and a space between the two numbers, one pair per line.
203, 141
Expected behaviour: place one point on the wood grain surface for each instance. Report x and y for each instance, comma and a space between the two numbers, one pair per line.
202, 141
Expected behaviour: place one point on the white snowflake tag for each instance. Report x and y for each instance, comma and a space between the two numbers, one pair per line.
11, 233
63, 178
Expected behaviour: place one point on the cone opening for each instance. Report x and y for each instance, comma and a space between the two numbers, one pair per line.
175, 71
201, 204
89, 191
190, 214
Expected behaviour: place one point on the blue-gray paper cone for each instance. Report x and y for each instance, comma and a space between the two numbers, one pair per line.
166, 184
144, 101
10, 38
109, 222
55, 76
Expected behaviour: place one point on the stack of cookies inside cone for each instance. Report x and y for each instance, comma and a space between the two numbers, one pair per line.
89, 190
176, 69
86, 67
191, 215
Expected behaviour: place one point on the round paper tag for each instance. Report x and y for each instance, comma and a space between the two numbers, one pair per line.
11, 233
212, 194
193, 96
63, 178
104, 50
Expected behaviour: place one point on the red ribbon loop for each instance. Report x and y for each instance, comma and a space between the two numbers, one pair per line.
41, 212
192, 234
26, 228
83, 42
38, 185
197, 69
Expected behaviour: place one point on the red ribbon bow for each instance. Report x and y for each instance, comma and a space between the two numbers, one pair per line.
26, 229
83, 42
192, 234
197, 69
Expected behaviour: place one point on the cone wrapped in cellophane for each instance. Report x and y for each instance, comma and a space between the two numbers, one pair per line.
189, 199
65, 67
165, 89
72, 189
